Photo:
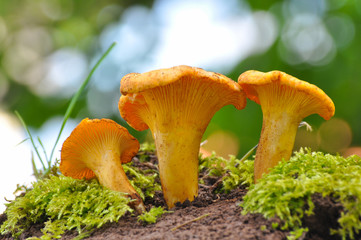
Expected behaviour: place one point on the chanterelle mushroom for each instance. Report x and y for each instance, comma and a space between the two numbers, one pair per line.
285, 101
177, 105
97, 148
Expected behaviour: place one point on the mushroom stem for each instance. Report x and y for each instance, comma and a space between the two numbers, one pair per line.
276, 142
110, 174
177, 153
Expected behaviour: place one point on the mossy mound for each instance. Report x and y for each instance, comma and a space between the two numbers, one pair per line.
61, 203
287, 191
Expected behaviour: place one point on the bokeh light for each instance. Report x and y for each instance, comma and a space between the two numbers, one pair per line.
227, 32
65, 70
352, 151
222, 143
306, 139
306, 39
57, 10
342, 29
335, 135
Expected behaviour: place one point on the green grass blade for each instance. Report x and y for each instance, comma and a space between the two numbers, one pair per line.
22, 141
43, 148
248, 154
35, 170
31, 138
76, 96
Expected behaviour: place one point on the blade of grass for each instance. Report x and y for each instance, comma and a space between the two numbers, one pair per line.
35, 170
248, 154
31, 138
22, 141
190, 221
75, 99
43, 148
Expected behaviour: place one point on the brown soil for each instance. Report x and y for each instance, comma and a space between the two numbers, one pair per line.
218, 220
210, 216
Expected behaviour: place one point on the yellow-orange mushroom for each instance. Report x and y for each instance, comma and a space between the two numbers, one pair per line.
177, 105
97, 148
285, 101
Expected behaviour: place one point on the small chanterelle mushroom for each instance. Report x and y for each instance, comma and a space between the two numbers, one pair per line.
177, 104
285, 101
97, 148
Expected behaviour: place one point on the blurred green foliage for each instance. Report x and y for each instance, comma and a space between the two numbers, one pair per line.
67, 23
78, 25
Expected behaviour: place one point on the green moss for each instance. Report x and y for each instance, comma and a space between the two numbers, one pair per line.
146, 148
143, 181
145, 151
63, 204
234, 172
287, 190
152, 216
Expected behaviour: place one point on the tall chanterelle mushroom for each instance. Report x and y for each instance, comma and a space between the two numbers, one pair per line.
285, 101
97, 148
177, 105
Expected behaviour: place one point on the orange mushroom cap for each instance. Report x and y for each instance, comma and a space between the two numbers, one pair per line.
306, 97
224, 89
90, 140
129, 108
136, 82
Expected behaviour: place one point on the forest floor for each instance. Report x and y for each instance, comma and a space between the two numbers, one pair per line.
210, 216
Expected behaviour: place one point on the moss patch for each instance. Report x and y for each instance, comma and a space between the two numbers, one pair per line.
152, 215
63, 203
286, 192
233, 172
